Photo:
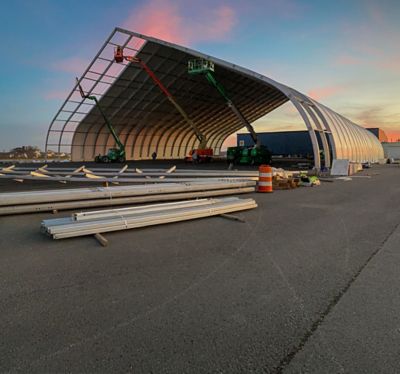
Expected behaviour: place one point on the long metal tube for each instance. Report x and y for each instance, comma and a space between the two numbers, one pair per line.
194, 174
52, 206
34, 197
76, 228
91, 178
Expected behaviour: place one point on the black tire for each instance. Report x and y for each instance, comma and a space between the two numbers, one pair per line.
105, 159
121, 159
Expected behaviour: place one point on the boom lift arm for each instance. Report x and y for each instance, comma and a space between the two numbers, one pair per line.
121, 148
201, 66
120, 57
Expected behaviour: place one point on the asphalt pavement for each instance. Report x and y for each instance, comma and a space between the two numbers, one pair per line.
309, 283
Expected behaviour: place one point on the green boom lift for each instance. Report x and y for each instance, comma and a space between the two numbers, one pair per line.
113, 154
257, 154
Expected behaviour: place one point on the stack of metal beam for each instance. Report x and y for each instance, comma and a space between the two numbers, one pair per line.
76, 198
97, 222
124, 175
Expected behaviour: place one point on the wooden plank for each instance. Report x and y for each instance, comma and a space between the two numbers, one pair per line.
232, 217
101, 239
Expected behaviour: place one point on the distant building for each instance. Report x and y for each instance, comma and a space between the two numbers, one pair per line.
297, 143
379, 133
392, 150
282, 143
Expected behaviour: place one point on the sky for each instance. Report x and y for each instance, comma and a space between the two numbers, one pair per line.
344, 54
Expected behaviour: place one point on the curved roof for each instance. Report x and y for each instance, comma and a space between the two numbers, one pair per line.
146, 121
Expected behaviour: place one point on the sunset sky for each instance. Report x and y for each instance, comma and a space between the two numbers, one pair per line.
345, 54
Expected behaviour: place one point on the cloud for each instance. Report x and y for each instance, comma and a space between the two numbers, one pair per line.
75, 65
370, 117
386, 117
325, 92
372, 42
345, 60
167, 20
55, 95
391, 63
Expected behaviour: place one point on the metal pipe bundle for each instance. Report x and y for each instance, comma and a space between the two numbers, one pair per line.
143, 171
49, 207
92, 178
78, 198
122, 219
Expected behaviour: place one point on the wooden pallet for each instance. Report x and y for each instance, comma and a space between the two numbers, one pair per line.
279, 183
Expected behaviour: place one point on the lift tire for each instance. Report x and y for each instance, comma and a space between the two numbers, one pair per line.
105, 159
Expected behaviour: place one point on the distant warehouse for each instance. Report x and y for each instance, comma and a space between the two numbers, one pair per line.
379, 133
282, 143
293, 143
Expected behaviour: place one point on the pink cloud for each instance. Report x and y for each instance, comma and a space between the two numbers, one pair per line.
347, 60
221, 24
55, 95
325, 92
372, 41
160, 19
391, 63
166, 20
74, 65
385, 117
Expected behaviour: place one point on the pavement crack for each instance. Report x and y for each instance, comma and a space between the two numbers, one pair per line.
285, 361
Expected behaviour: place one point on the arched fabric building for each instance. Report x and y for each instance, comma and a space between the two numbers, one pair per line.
146, 121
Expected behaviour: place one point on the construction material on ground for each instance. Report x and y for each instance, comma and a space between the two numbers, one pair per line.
309, 181
135, 172
340, 167
51, 207
105, 176
355, 167
18, 198
282, 183
98, 179
232, 217
101, 239
126, 212
78, 198
143, 216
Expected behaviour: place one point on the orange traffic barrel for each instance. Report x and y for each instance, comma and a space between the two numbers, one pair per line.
265, 178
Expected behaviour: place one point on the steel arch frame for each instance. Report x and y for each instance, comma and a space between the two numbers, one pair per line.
134, 119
